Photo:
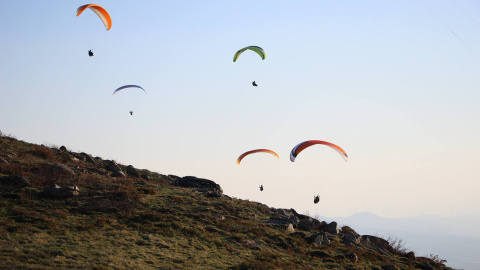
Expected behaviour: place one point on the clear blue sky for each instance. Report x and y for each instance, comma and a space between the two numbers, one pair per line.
394, 83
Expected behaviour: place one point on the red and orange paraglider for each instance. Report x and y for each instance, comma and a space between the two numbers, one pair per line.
239, 159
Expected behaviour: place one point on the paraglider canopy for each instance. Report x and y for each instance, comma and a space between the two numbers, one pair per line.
128, 86
90, 53
301, 146
316, 199
239, 159
100, 11
256, 49
254, 83
261, 187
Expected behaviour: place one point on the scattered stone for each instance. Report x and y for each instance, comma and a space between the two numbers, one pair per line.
15, 180
60, 192
132, 171
318, 239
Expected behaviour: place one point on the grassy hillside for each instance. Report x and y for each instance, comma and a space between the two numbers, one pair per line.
100, 218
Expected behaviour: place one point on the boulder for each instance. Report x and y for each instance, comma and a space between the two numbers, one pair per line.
284, 216
88, 157
198, 183
60, 192
290, 228
59, 169
14, 180
132, 171
145, 176
318, 239
307, 223
352, 238
331, 227
380, 244
63, 148
79, 156
113, 167
98, 159
410, 255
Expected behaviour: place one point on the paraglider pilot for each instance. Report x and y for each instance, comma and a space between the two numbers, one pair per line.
254, 83
131, 112
261, 187
90, 53
316, 199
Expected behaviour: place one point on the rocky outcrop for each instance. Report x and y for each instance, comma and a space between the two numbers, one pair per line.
60, 192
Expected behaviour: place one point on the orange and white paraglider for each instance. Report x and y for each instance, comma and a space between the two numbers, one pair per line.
100, 11
301, 146
239, 159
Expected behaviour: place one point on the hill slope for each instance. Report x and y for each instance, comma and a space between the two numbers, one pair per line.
103, 215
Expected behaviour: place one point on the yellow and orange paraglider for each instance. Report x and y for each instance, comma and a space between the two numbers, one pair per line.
239, 159
100, 11
301, 146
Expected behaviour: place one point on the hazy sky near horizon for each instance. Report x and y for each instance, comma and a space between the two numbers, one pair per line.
394, 83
